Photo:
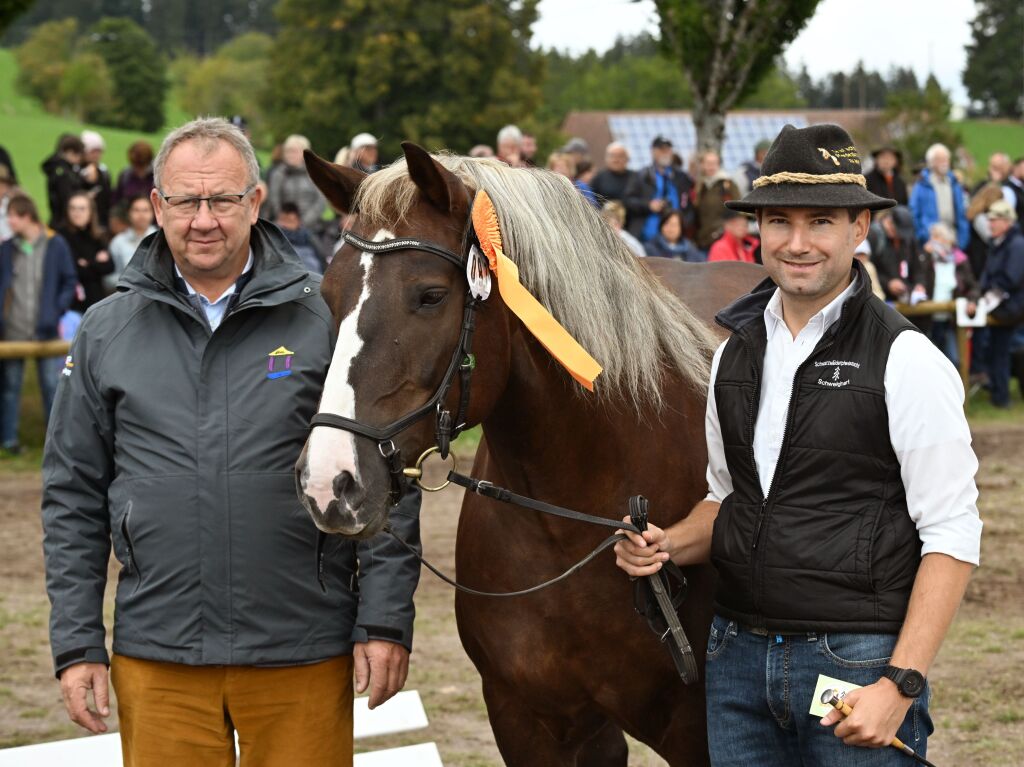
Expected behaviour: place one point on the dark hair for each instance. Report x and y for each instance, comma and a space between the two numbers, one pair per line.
582, 167
668, 214
22, 205
70, 143
140, 154
93, 227
289, 207
134, 199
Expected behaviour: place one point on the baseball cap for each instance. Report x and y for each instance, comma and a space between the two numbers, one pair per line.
1002, 209
363, 139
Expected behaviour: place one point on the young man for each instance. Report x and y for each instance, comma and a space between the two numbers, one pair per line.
842, 515
37, 285
175, 434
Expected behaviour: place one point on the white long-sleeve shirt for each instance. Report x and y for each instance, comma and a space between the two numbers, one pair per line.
927, 428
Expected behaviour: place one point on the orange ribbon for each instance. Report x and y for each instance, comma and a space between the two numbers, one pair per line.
538, 320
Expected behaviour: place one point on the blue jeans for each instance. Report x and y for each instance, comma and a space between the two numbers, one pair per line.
12, 375
1000, 338
943, 335
759, 691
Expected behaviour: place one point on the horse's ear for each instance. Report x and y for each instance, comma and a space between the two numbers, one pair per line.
440, 186
338, 183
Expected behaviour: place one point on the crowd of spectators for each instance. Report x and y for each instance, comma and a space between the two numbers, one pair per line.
942, 241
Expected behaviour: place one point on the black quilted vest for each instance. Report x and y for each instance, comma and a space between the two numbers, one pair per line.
832, 547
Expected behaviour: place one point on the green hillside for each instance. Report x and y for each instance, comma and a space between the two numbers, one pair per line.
30, 134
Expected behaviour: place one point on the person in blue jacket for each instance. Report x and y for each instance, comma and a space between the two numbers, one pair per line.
938, 196
37, 285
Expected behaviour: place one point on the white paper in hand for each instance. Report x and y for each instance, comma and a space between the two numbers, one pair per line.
818, 708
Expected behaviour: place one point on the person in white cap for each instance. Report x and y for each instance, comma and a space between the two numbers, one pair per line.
96, 175
363, 154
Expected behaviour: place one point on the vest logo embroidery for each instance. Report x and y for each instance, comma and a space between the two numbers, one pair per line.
280, 364
834, 378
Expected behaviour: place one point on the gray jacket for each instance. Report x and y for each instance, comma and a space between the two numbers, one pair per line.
177, 445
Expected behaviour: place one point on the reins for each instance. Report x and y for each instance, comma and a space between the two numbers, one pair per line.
653, 602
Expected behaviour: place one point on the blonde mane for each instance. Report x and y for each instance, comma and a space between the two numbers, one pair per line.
577, 266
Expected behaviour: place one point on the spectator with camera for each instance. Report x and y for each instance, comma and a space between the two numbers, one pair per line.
659, 187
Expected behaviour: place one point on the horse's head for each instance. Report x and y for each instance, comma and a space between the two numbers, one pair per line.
399, 316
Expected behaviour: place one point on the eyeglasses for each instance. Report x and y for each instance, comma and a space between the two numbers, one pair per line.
220, 204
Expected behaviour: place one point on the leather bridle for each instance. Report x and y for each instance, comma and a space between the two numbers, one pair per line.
462, 362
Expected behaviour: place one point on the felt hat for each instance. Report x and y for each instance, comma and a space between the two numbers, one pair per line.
813, 167
888, 148
660, 142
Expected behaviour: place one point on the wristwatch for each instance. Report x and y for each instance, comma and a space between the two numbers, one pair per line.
910, 682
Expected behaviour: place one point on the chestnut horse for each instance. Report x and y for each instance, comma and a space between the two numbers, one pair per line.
568, 670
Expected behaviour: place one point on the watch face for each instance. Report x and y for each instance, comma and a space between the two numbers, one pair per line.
913, 684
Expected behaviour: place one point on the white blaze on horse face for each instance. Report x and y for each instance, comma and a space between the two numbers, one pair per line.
333, 451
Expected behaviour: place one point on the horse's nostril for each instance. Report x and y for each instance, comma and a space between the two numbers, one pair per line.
347, 489
343, 484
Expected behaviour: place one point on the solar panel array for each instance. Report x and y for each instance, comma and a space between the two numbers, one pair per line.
742, 133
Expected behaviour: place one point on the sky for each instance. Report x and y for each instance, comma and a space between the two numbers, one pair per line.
915, 33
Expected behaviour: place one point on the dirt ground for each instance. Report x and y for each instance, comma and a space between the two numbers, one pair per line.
976, 705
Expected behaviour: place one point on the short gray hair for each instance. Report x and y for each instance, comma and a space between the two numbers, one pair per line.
933, 150
208, 130
510, 133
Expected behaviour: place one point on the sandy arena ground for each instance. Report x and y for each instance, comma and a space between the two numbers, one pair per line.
976, 705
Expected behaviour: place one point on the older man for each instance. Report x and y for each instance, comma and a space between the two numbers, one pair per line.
659, 187
180, 413
938, 196
610, 183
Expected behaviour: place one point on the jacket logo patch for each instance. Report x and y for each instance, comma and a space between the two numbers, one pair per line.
835, 378
68, 366
280, 364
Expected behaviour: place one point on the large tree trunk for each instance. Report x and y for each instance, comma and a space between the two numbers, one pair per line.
710, 127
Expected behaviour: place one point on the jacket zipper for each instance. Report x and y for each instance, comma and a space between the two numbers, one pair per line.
764, 511
132, 565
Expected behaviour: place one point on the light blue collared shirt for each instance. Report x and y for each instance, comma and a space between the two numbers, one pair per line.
214, 310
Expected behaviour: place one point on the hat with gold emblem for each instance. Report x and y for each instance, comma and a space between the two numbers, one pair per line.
813, 167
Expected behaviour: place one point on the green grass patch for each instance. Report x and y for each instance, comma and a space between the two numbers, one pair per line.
29, 133
986, 137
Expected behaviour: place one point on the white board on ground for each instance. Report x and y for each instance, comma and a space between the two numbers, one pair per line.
423, 755
402, 713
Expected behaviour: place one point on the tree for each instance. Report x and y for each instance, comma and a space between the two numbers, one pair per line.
87, 89
231, 82
918, 119
138, 72
725, 48
10, 10
42, 59
994, 76
439, 72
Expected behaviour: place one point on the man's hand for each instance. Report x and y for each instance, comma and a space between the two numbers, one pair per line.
878, 712
382, 666
75, 683
642, 555
897, 287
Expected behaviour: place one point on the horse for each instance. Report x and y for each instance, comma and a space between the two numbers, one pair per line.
566, 671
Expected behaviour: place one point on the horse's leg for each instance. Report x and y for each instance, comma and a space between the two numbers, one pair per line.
530, 738
607, 748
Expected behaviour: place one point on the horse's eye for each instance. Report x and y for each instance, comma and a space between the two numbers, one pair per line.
433, 297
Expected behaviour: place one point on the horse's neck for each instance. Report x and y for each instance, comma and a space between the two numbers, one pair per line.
548, 438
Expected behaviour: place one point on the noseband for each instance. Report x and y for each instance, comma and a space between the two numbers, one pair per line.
462, 362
